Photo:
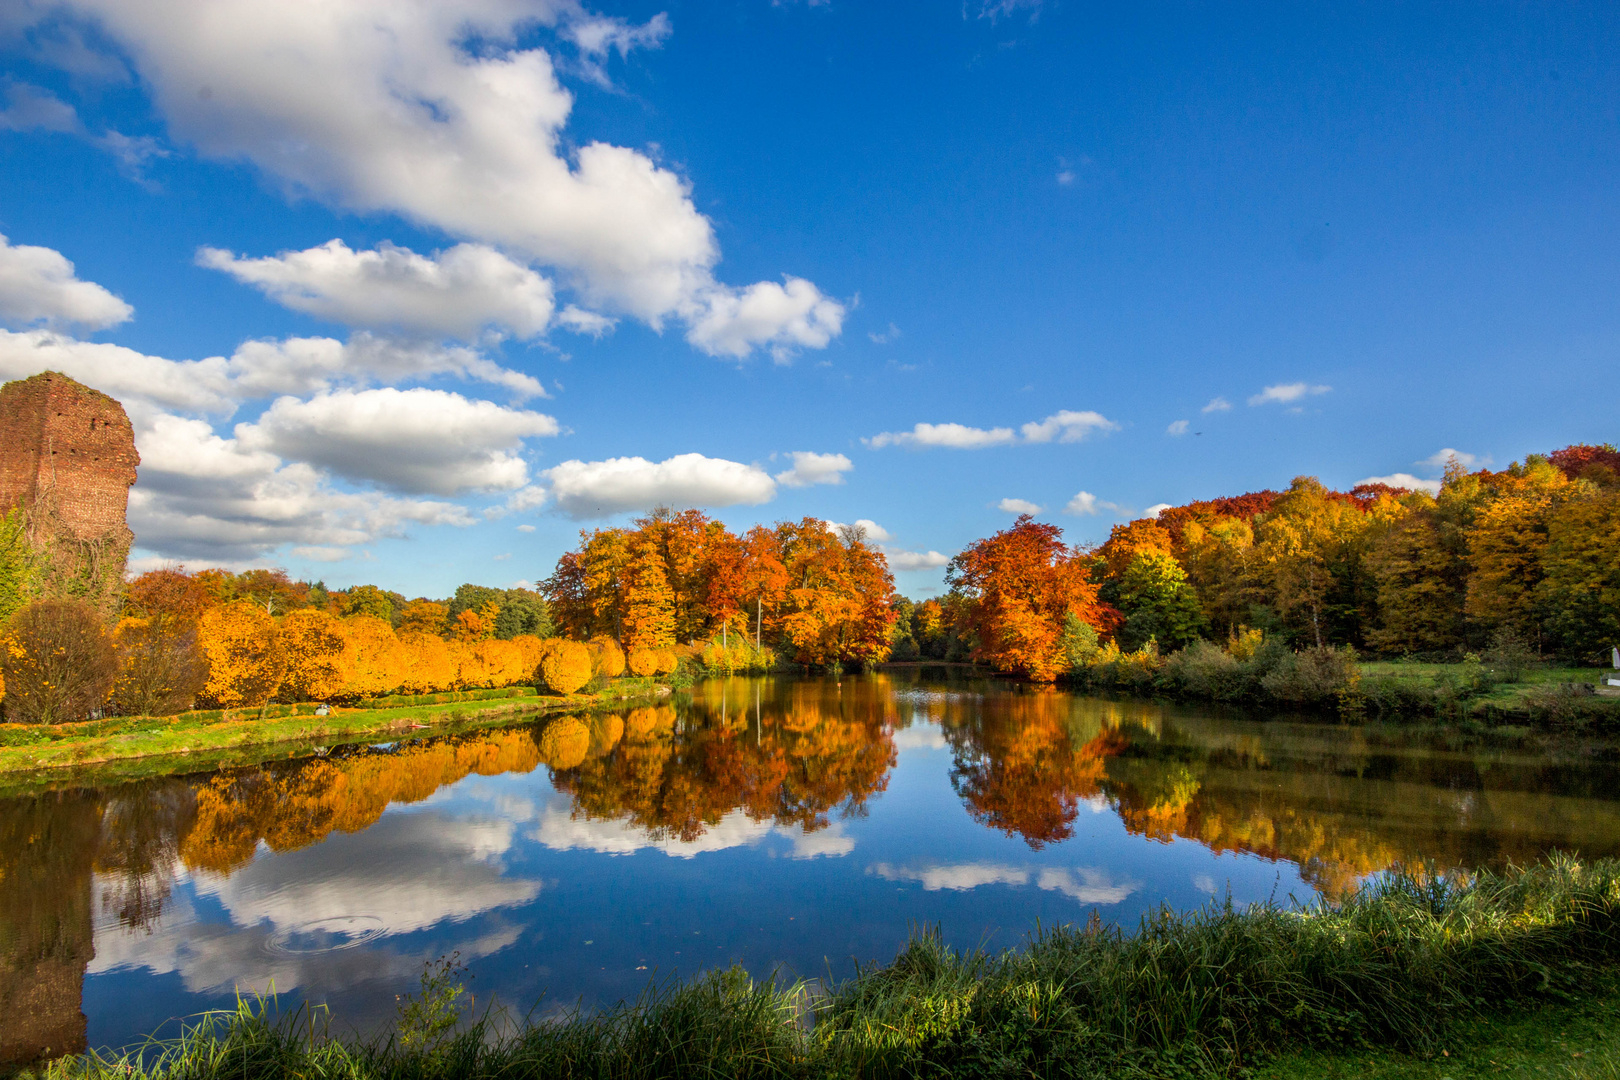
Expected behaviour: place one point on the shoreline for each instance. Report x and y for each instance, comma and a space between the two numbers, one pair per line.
149, 746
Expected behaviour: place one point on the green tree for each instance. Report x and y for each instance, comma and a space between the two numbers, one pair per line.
368, 600
1159, 603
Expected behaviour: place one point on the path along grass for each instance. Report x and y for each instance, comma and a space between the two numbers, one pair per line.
1403, 965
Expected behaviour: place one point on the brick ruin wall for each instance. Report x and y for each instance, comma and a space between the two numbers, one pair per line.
67, 456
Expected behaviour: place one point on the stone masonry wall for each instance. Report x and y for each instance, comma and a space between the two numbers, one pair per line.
67, 456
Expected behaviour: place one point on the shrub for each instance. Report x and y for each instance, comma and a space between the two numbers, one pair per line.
1509, 655
1314, 676
58, 663
566, 667
668, 661
607, 658
162, 669
643, 662
1204, 669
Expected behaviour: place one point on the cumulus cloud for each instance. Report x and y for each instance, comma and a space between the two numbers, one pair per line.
419, 441
1287, 393
954, 436
433, 111
130, 376
782, 318
1442, 458
1218, 404
1085, 504
1066, 426
810, 468
900, 559
202, 496
38, 285
1018, 506
595, 489
866, 527
1178, 427
453, 293
1155, 510
1404, 480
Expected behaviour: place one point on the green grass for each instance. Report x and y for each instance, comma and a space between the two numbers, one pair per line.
1410, 969
1553, 1042
35, 756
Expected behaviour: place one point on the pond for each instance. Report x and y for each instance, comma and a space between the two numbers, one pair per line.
793, 825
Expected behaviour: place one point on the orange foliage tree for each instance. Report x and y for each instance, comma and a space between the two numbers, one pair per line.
245, 657
1019, 588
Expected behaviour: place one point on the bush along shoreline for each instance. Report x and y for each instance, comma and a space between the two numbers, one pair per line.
1213, 992
1504, 684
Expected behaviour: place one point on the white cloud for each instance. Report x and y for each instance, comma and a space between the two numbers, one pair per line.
869, 529
132, 377
1217, 404
1155, 510
30, 108
1446, 456
810, 468
1018, 506
454, 293
1068, 426
525, 528
955, 436
420, 441
732, 322
595, 489
202, 496
589, 323
1085, 504
1287, 393
1404, 480
1178, 427
883, 337
432, 110
38, 285
914, 560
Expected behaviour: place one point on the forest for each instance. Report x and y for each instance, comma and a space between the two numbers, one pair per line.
1287, 588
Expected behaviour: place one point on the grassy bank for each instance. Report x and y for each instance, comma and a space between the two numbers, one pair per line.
205, 739
1398, 972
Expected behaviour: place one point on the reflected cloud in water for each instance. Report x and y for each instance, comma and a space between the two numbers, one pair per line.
1088, 885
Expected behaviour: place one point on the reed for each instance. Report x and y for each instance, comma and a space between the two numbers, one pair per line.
1208, 992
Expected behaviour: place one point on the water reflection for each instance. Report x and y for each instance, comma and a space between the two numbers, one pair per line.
336, 871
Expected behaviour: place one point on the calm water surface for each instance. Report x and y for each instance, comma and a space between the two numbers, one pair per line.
777, 823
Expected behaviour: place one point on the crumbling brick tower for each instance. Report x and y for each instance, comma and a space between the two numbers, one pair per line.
67, 458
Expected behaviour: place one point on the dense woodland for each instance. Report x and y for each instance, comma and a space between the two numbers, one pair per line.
1525, 560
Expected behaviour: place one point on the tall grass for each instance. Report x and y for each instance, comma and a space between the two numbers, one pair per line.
1202, 993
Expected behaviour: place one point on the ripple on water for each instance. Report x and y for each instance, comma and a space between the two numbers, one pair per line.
326, 935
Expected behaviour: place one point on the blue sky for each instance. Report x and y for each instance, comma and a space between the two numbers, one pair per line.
409, 293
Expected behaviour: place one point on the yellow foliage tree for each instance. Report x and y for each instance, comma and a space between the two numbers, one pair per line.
649, 602
313, 643
566, 667
372, 662
245, 657
643, 662
607, 657
429, 667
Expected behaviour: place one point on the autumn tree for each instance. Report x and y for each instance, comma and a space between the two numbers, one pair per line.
167, 591
57, 663
312, 642
424, 616
1310, 548
161, 667
838, 604
1017, 588
368, 600
649, 602
1580, 590
245, 657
